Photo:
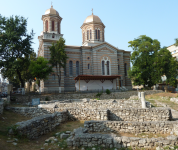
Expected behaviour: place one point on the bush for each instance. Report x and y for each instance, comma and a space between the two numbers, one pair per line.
13, 99
108, 91
47, 98
99, 94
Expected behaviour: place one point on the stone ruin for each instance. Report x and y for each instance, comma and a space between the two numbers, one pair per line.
105, 119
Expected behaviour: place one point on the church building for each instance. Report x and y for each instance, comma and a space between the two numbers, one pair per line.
94, 65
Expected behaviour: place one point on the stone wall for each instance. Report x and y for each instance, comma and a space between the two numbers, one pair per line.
140, 114
41, 125
155, 127
119, 114
79, 138
98, 104
1, 108
113, 95
85, 114
31, 111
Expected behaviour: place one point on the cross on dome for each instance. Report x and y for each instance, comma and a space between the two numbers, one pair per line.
92, 11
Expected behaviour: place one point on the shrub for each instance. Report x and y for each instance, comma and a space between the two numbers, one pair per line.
99, 94
13, 98
108, 91
47, 98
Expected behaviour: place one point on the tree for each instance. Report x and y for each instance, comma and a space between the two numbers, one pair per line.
15, 44
20, 65
40, 68
58, 57
150, 62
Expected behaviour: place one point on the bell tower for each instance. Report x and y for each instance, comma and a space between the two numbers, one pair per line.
51, 24
92, 31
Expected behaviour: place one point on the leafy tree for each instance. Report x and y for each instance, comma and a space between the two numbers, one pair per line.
58, 57
134, 74
15, 45
176, 42
20, 65
150, 62
40, 68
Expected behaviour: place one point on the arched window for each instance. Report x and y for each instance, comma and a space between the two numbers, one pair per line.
99, 34
77, 68
70, 68
108, 68
118, 67
58, 27
90, 34
87, 34
88, 66
65, 71
105, 66
103, 71
96, 34
125, 69
53, 76
53, 25
46, 25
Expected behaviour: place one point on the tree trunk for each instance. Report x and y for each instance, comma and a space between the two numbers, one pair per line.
20, 78
59, 77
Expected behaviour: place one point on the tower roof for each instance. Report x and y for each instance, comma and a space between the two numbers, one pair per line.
51, 11
92, 18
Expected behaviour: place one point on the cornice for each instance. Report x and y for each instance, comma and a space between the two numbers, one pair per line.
92, 23
50, 16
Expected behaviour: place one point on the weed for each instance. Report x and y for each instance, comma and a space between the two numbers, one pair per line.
99, 94
47, 98
108, 91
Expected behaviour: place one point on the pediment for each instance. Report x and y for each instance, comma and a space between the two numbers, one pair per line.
104, 49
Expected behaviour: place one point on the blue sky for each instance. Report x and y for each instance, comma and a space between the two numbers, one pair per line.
124, 19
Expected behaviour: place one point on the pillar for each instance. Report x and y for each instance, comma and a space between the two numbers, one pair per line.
143, 99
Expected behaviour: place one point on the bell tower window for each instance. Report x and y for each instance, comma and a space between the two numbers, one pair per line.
58, 27
52, 25
46, 25
98, 34
87, 34
90, 34
96, 37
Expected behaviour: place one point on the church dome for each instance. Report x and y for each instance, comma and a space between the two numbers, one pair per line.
51, 11
92, 18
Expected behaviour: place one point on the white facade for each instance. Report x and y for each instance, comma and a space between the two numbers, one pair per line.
174, 51
95, 85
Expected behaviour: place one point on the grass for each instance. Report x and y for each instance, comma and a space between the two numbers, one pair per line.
12, 118
162, 98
